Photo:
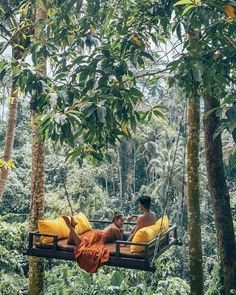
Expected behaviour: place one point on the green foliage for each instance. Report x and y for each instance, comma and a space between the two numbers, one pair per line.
208, 65
91, 97
13, 235
82, 186
17, 191
68, 279
13, 245
173, 286
159, 149
215, 287
12, 284
16, 195
13, 263
97, 54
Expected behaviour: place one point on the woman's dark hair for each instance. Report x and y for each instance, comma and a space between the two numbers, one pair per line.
145, 201
117, 215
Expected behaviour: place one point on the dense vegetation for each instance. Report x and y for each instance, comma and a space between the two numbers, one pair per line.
95, 191
118, 110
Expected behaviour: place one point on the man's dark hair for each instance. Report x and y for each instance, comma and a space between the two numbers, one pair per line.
145, 201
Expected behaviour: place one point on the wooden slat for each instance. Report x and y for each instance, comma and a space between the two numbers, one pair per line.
50, 253
163, 249
139, 264
132, 263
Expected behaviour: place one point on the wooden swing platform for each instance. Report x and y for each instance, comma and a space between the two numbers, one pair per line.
120, 256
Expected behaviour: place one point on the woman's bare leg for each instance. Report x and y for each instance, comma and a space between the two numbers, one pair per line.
73, 238
70, 240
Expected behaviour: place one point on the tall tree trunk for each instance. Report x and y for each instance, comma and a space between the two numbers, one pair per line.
113, 180
220, 197
36, 265
183, 214
106, 184
124, 151
134, 168
194, 221
11, 125
120, 173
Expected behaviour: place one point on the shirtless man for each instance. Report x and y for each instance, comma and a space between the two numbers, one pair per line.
147, 218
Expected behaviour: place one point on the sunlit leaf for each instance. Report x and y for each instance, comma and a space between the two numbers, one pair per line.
184, 2
186, 9
124, 128
42, 5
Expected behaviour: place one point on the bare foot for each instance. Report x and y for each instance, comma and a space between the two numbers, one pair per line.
67, 221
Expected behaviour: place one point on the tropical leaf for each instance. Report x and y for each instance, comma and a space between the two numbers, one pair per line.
42, 5
117, 279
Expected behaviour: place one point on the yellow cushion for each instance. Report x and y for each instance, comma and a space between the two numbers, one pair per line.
56, 227
148, 233
83, 224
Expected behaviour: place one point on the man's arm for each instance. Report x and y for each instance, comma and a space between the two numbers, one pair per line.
132, 217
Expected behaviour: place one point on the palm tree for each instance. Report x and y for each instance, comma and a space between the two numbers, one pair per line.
16, 36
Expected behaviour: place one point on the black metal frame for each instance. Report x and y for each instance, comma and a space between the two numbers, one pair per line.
143, 262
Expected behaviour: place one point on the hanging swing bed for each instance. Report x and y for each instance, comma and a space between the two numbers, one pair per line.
120, 256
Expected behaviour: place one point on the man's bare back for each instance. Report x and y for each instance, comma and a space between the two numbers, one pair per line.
146, 219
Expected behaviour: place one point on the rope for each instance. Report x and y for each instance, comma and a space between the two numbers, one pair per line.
156, 249
167, 188
172, 169
67, 194
64, 183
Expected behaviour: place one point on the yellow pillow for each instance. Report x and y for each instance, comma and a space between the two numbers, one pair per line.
56, 227
148, 233
83, 223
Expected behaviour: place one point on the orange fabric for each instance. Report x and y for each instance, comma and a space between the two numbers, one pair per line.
92, 252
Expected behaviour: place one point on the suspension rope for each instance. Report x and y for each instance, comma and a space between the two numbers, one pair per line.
172, 167
167, 187
60, 173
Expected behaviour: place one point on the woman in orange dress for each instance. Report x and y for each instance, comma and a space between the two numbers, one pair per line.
91, 251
